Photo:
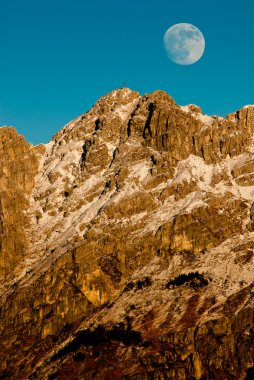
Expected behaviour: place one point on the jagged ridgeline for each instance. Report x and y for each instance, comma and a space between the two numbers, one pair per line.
127, 245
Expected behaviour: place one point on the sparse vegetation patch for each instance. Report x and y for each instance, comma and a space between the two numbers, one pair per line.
100, 335
195, 280
139, 284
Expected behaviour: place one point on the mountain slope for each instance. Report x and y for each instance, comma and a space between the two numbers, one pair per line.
132, 251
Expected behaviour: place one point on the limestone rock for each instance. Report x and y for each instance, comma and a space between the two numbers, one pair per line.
127, 245
19, 165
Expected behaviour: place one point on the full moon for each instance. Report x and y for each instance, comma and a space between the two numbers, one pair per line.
184, 43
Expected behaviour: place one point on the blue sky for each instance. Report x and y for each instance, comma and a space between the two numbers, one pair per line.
59, 56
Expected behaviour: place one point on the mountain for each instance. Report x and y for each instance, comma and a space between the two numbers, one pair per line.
127, 245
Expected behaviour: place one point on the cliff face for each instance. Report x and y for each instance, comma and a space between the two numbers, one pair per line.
18, 167
127, 245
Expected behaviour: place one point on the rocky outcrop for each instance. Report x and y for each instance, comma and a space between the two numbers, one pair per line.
126, 245
19, 165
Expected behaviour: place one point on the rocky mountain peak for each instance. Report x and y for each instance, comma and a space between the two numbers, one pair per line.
127, 244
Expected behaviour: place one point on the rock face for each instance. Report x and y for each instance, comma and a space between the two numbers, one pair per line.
19, 165
126, 245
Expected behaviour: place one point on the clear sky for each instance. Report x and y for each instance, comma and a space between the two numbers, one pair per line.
59, 56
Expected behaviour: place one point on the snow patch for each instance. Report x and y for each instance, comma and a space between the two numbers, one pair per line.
140, 170
249, 106
193, 110
124, 111
111, 148
194, 168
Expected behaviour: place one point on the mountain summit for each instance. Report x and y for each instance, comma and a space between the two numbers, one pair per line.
127, 245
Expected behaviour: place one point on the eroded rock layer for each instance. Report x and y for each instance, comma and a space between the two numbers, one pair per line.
127, 245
